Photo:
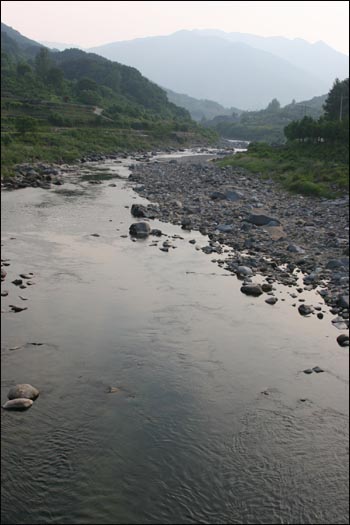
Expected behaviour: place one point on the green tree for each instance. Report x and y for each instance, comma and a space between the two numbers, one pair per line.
336, 106
42, 63
55, 77
23, 69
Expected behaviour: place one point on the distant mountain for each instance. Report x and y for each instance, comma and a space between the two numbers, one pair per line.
318, 59
59, 46
200, 109
215, 68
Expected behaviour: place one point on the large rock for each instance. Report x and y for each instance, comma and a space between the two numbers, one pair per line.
343, 340
23, 391
224, 228
252, 289
262, 220
137, 210
141, 230
304, 309
20, 403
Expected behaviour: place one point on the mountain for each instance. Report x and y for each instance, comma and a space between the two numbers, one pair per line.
319, 59
59, 46
215, 68
57, 106
200, 109
105, 81
17, 45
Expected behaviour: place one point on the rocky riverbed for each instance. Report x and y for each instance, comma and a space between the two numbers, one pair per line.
262, 229
254, 228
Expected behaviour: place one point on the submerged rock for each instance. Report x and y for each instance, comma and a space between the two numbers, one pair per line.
18, 404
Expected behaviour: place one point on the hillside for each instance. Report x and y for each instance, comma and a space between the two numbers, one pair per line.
200, 109
49, 102
266, 125
214, 68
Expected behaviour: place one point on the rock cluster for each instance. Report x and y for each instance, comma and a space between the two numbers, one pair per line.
21, 397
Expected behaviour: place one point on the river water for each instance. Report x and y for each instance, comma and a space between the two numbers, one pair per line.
213, 419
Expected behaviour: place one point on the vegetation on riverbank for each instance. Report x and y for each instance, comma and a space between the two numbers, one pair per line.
315, 169
315, 160
58, 106
266, 125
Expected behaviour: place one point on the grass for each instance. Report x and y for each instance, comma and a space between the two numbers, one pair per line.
320, 170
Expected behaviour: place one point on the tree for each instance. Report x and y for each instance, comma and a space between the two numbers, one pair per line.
274, 106
55, 77
336, 106
23, 68
42, 63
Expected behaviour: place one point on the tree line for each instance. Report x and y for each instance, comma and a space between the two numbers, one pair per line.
332, 127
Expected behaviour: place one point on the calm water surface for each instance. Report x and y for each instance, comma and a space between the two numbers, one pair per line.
189, 437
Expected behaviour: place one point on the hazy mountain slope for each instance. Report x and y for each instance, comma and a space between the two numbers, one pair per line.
209, 67
318, 59
16, 44
60, 46
200, 109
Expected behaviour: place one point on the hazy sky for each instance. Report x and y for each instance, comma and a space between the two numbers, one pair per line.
89, 24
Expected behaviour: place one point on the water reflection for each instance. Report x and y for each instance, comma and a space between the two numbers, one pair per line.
214, 420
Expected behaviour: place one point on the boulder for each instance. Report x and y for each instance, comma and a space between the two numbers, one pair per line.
23, 391
271, 300
18, 404
137, 210
304, 309
343, 340
252, 289
262, 220
140, 230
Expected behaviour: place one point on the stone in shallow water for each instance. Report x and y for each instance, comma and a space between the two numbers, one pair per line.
252, 289
23, 391
17, 309
271, 300
18, 404
308, 371
141, 230
304, 309
317, 369
343, 340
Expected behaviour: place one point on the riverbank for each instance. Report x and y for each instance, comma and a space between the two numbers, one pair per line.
272, 233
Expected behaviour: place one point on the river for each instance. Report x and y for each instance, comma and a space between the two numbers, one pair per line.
212, 419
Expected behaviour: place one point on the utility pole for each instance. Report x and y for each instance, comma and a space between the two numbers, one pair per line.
341, 107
